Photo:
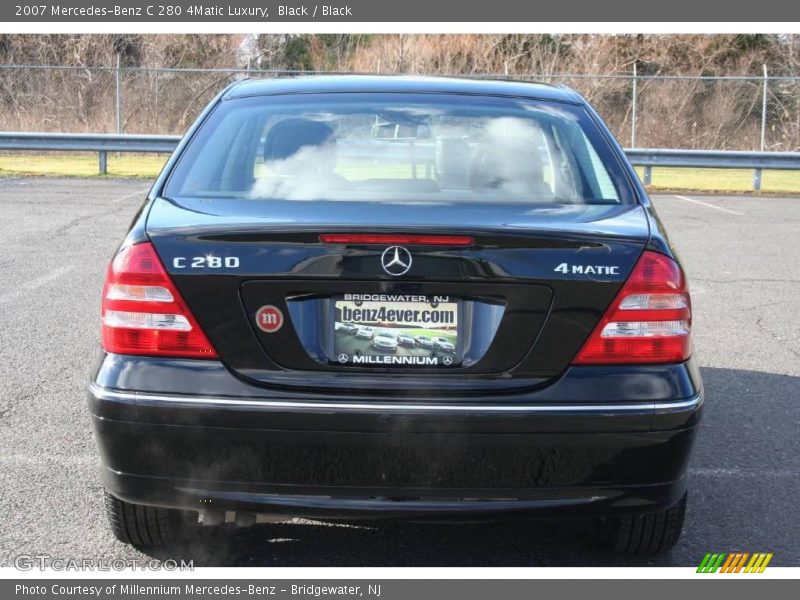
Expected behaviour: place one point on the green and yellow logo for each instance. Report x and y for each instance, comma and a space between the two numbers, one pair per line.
721, 562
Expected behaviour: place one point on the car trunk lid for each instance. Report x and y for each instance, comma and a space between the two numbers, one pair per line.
527, 290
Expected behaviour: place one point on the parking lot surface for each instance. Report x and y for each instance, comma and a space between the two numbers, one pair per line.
742, 257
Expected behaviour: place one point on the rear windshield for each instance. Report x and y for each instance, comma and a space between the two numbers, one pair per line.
402, 147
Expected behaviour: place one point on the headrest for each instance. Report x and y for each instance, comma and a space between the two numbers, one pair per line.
512, 163
286, 137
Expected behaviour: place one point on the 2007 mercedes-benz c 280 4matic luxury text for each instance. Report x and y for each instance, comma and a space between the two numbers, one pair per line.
415, 298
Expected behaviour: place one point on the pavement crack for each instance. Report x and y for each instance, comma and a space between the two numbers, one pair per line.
775, 337
78, 220
757, 306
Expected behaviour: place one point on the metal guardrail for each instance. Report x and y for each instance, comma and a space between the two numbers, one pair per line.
103, 143
712, 159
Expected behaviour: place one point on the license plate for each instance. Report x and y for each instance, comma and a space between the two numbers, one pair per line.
378, 330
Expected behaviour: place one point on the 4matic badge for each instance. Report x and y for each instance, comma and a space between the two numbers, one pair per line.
587, 269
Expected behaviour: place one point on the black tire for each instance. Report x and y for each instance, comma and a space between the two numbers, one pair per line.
647, 534
145, 526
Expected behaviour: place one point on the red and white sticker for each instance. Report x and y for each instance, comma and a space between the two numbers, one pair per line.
269, 318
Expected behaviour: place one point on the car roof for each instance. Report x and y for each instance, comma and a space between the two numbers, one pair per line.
321, 84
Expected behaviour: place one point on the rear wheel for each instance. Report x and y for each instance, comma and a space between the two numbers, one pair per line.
652, 533
146, 526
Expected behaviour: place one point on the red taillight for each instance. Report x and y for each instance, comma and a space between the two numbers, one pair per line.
649, 321
143, 312
399, 239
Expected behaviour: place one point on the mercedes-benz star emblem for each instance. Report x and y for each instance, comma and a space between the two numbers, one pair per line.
343, 358
396, 260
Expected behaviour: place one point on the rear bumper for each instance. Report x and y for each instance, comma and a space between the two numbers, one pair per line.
363, 457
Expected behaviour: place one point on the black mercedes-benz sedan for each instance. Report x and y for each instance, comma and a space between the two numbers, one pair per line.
408, 298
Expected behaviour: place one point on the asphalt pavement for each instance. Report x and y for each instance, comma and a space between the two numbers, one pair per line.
742, 256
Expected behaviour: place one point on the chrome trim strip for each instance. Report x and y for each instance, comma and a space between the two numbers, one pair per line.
148, 399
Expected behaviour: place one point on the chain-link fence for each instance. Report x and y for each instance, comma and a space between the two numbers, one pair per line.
713, 113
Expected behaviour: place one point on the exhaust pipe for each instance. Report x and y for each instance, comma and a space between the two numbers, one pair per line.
210, 517
213, 518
